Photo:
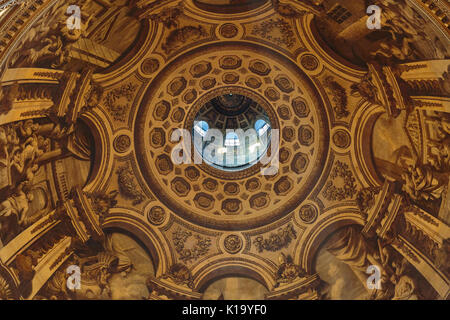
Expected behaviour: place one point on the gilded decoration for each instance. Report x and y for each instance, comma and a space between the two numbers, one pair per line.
341, 164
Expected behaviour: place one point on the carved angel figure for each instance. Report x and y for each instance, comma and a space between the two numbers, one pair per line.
365, 89
48, 42
288, 271
403, 29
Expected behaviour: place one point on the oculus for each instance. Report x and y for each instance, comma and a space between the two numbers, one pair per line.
231, 132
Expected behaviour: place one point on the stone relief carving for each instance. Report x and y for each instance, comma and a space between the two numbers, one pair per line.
342, 139
102, 202
366, 198
286, 10
5, 290
93, 96
309, 62
181, 36
127, 184
156, 215
233, 243
271, 29
228, 30
24, 146
339, 97
118, 101
48, 42
180, 274
347, 190
308, 213
150, 65
7, 96
403, 25
276, 241
190, 252
366, 89
94, 279
169, 16
287, 270
122, 143
422, 183
442, 257
97, 263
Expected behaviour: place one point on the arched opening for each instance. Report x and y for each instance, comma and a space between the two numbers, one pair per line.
234, 288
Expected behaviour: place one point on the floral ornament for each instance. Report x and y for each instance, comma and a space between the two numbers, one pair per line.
347, 191
233, 243
277, 240
118, 101
270, 30
199, 247
127, 184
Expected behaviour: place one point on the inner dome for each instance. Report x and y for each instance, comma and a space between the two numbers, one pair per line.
231, 132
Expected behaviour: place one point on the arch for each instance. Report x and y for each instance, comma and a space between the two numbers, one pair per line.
101, 131
219, 267
308, 28
328, 223
361, 151
232, 139
152, 239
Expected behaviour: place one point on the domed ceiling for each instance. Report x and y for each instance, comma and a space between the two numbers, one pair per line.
227, 149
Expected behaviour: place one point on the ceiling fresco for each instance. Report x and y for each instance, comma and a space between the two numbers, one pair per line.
224, 150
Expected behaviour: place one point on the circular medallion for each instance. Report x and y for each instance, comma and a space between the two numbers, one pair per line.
150, 66
156, 215
233, 243
341, 139
228, 30
309, 62
122, 143
308, 213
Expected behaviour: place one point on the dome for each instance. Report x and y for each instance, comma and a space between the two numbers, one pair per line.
231, 132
